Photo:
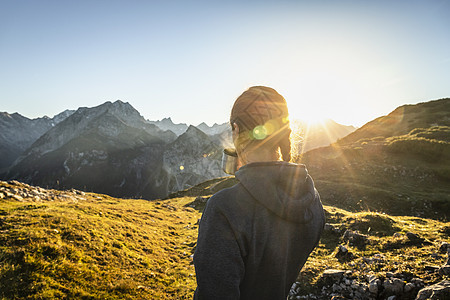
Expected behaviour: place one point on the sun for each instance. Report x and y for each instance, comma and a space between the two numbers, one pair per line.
309, 116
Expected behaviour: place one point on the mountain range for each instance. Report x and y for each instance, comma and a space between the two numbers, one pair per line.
18, 133
112, 149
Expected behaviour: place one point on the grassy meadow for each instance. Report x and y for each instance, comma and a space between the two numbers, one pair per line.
91, 246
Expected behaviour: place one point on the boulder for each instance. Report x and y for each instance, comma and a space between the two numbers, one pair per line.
393, 286
437, 291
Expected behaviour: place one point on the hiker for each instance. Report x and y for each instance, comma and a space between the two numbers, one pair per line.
255, 237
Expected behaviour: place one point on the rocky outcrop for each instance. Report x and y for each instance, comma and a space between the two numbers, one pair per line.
17, 191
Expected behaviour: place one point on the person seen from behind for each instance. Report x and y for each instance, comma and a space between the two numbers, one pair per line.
255, 237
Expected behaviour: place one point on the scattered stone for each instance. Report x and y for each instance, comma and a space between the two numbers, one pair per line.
17, 197
418, 282
431, 269
374, 286
393, 286
444, 270
398, 235
332, 229
343, 254
390, 274
335, 275
439, 290
355, 238
444, 247
448, 256
414, 237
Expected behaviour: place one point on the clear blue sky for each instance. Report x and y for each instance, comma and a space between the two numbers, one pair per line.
350, 61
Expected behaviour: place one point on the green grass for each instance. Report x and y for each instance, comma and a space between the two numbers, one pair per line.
97, 247
400, 175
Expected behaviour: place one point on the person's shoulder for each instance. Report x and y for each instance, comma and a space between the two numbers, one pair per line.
229, 199
226, 195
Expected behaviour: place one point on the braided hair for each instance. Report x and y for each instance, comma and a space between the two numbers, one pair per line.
261, 114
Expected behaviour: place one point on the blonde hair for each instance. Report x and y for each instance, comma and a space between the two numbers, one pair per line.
261, 114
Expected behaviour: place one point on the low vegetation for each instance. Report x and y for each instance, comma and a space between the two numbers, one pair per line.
400, 175
71, 245
94, 246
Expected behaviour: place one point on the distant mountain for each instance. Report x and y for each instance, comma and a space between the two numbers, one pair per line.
17, 133
192, 158
399, 163
215, 129
112, 149
167, 124
306, 136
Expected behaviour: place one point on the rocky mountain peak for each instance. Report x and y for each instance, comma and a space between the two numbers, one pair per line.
192, 130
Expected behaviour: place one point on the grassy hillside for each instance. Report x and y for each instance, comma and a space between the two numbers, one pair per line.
71, 245
404, 119
403, 175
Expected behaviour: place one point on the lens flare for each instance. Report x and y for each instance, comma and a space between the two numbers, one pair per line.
260, 132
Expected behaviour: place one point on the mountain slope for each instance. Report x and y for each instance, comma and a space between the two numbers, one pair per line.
192, 158
109, 148
17, 133
388, 170
404, 119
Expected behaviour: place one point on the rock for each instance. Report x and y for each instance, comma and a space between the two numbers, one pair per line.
408, 287
439, 290
391, 298
448, 256
414, 237
444, 270
355, 238
444, 247
336, 288
17, 197
397, 235
431, 269
2, 196
374, 286
334, 274
343, 254
417, 282
393, 286
331, 229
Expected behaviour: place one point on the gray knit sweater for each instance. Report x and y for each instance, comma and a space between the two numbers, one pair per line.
256, 236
